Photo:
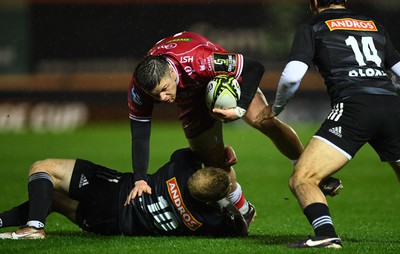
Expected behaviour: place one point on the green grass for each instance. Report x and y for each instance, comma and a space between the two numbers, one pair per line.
365, 213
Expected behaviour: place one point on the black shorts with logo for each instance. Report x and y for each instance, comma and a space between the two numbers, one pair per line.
97, 190
365, 118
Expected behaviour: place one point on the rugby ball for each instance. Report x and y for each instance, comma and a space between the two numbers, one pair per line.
222, 92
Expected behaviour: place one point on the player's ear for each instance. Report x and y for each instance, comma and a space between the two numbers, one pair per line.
172, 72
313, 6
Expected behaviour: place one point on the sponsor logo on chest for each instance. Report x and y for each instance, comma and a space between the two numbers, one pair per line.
351, 24
184, 213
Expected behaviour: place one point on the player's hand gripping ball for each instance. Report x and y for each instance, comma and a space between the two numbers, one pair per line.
222, 92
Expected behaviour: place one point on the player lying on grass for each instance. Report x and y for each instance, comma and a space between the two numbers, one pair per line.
186, 200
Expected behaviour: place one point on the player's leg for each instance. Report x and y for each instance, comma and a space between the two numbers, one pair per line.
64, 205
281, 134
318, 161
44, 177
15, 217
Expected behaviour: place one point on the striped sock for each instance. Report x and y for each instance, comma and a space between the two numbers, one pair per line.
40, 189
237, 198
320, 219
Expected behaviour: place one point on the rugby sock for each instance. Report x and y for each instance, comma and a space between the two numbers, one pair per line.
17, 216
319, 217
237, 198
40, 190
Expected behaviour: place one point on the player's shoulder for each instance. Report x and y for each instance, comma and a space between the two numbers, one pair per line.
184, 36
182, 154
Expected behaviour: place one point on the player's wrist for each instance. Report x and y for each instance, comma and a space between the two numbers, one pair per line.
240, 112
277, 109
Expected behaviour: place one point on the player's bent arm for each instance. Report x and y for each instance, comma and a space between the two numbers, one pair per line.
140, 133
288, 84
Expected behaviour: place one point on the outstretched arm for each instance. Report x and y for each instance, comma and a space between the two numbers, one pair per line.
140, 132
288, 84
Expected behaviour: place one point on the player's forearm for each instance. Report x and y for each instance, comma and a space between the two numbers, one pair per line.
140, 132
288, 84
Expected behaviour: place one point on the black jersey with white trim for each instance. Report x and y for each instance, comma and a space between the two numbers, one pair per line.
351, 51
170, 210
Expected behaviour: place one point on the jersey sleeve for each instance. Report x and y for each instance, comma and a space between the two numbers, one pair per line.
303, 45
140, 104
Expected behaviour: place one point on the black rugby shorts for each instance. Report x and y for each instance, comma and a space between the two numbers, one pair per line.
96, 188
365, 118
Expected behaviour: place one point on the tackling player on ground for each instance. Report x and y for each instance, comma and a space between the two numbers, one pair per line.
177, 70
185, 200
353, 54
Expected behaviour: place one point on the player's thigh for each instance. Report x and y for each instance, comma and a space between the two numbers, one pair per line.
319, 160
208, 139
60, 171
210, 145
64, 205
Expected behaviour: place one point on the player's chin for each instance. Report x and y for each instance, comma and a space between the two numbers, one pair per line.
171, 100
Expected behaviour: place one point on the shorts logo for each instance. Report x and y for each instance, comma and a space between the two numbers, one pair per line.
336, 131
336, 112
176, 197
351, 24
83, 181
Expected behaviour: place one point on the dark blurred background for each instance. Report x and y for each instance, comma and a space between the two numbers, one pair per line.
69, 62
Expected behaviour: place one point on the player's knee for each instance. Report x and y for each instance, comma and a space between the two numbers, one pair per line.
42, 166
295, 181
303, 177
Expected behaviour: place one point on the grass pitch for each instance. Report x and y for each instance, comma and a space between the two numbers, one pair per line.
366, 213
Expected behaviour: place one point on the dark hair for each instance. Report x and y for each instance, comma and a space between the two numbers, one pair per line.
327, 3
209, 184
150, 71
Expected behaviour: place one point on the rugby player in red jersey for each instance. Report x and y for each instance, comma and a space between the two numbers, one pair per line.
177, 70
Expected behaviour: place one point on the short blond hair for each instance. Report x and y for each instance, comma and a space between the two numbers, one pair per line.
209, 184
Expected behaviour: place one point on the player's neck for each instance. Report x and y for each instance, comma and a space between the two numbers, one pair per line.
334, 6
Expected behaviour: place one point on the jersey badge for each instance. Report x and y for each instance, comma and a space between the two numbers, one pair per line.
224, 62
135, 97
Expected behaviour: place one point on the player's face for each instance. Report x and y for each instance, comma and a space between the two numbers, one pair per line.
165, 91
